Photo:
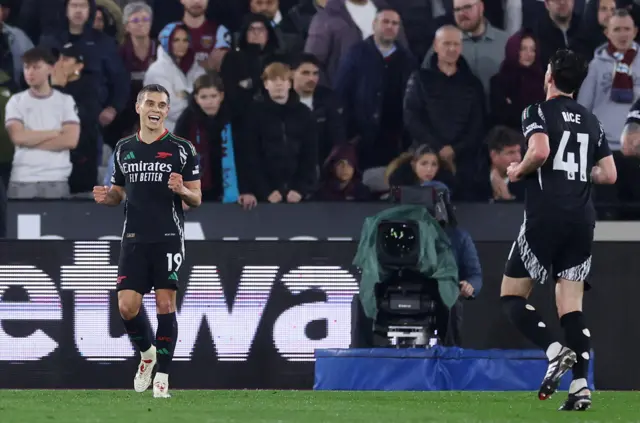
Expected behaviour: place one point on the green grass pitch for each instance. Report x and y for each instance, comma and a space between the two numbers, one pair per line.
32, 406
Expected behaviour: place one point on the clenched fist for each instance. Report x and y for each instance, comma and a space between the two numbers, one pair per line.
100, 194
175, 183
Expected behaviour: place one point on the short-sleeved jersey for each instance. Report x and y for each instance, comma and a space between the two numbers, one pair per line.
634, 114
207, 37
153, 213
561, 188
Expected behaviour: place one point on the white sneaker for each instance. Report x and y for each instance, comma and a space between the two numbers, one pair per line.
161, 386
142, 379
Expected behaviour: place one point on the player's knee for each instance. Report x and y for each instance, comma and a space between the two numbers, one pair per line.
165, 305
569, 296
128, 309
165, 301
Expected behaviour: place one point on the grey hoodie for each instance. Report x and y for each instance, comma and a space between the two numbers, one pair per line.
595, 94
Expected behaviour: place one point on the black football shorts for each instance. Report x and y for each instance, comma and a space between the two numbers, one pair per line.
146, 266
543, 247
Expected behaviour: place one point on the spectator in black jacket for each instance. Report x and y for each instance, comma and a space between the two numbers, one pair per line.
242, 68
100, 56
40, 16
298, 19
289, 43
70, 77
284, 142
419, 23
444, 107
370, 82
594, 22
322, 102
558, 28
219, 139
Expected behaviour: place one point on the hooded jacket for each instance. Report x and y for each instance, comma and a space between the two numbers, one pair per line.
515, 87
113, 25
166, 72
595, 94
100, 58
242, 67
330, 186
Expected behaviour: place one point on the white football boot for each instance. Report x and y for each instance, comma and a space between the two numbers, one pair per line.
161, 386
143, 377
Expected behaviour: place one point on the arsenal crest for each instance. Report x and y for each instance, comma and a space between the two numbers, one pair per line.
206, 41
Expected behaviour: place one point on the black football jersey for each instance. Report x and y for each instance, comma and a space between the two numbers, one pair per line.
153, 213
561, 187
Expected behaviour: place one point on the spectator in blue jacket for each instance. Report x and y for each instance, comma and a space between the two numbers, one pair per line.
469, 272
100, 54
370, 82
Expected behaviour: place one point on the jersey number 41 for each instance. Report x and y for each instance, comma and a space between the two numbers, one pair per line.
570, 166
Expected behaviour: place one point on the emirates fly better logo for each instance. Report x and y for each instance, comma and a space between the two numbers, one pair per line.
146, 172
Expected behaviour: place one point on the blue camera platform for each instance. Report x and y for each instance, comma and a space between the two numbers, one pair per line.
435, 369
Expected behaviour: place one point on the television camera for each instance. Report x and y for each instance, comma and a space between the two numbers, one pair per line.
410, 311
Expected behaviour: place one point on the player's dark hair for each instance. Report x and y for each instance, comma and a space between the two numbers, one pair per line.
387, 9
621, 13
568, 70
208, 80
501, 137
38, 54
153, 88
306, 58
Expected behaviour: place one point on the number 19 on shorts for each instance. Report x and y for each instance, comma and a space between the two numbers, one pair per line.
174, 261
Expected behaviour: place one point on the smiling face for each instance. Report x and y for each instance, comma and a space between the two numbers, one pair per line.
153, 108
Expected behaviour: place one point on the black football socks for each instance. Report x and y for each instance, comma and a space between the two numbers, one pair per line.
529, 322
166, 337
139, 332
578, 338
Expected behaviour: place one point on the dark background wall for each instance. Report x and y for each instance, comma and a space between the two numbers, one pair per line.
268, 342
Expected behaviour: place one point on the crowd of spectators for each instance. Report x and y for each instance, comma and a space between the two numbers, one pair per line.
303, 100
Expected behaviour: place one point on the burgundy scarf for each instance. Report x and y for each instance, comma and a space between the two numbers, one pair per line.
622, 88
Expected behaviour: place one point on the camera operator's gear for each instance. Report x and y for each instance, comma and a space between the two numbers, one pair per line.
408, 271
436, 197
